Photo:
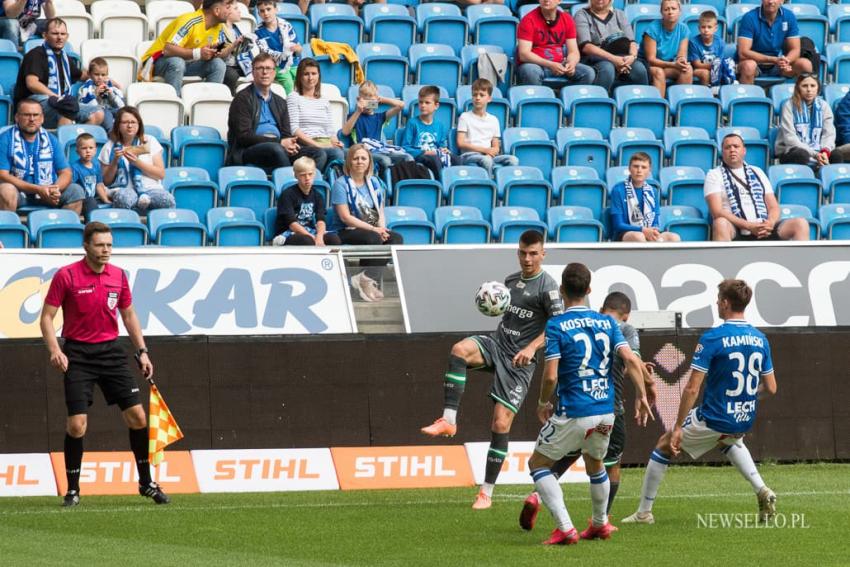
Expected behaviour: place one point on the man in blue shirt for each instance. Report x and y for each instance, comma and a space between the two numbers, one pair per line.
580, 348
769, 44
33, 168
734, 360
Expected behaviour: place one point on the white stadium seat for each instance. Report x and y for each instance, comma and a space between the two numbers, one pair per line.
339, 106
119, 19
158, 104
80, 23
120, 56
162, 12
207, 104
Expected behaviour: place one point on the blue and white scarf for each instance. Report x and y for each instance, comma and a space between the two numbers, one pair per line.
126, 171
53, 82
643, 218
39, 165
375, 216
753, 187
381, 147
809, 123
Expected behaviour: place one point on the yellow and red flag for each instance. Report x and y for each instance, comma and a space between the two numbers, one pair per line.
163, 429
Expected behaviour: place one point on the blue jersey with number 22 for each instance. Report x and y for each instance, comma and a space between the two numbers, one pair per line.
585, 342
734, 357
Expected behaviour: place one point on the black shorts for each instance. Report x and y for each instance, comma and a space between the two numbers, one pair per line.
104, 364
616, 442
750, 238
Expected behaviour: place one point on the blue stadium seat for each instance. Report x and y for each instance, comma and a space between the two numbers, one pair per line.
412, 223
694, 106
234, 226
834, 92
127, 229
339, 74
734, 12
461, 225
532, 146
493, 24
641, 106
758, 149
164, 141
524, 187
589, 106
835, 221
10, 63
640, 16
838, 61
469, 185
435, 64
839, 22
627, 141
579, 186
498, 107
795, 185
510, 222
469, 55
506, 176
6, 106
383, 64
199, 146
801, 211
573, 224
440, 22
583, 147
685, 221
446, 114
336, 22
536, 107
13, 234
425, 194
175, 227
269, 219
690, 146
55, 228
390, 23
835, 179
779, 94
67, 136
299, 22
819, 5
812, 22
683, 186
245, 186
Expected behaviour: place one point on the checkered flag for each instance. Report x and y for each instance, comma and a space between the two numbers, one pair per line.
163, 429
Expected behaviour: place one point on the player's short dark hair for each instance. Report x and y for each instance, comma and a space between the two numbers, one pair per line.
98, 63
53, 22
617, 301
530, 237
736, 292
707, 16
24, 101
84, 137
209, 4
730, 135
262, 57
93, 228
575, 280
429, 90
640, 156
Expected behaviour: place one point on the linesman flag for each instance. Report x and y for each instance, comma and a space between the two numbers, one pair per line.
163, 429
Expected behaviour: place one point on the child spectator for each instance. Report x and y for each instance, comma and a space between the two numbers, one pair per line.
478, 132
425, 138
365, 126
301, 211
277, 38
705, 52
101, 90
635, 206
86, 173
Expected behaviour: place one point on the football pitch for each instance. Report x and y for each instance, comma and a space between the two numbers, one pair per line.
704, 516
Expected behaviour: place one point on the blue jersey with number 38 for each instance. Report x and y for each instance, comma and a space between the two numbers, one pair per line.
734, 357
585, 342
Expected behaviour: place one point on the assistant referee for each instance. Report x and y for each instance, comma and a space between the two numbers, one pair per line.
89, 292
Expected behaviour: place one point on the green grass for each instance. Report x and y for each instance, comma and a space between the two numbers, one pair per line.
434, 526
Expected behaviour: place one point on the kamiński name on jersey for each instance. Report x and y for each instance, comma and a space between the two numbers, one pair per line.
734, 357
533, 302
585, 342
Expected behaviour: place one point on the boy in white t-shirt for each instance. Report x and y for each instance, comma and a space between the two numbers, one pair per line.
478, 132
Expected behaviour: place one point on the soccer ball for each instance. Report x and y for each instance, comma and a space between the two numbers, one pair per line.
492, 299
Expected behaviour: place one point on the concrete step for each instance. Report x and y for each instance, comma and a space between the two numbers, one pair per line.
372, 328
386, 311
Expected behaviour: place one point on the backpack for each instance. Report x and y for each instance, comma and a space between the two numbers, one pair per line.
408, 170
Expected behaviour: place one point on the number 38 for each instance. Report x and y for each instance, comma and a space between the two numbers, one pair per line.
753, 366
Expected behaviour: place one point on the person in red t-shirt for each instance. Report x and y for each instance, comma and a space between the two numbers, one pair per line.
547, 48
91, 293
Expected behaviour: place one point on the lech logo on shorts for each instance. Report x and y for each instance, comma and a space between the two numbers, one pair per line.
112, 299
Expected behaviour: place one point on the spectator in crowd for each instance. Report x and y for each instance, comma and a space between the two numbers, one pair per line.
705, 53
88, 175
479, 135
19, 19
190, 45
277, 38
232, 38
741, 201
33, 168
769, 44
635, 205
300, 217
425, 138
365, 126
46, 75
665, 48
842, 128
358, 202
806, 129
259, 131
100, 90
310, 115
607, 43
547, 48
132, 165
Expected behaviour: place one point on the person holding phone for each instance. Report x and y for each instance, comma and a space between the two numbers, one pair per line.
92, 292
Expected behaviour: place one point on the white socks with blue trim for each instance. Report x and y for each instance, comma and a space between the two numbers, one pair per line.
553, 497
599, 488
655, 469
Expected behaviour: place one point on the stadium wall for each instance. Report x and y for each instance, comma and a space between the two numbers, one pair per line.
377, 391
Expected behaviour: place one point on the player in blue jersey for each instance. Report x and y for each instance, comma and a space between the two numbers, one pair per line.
580, 348
735, 359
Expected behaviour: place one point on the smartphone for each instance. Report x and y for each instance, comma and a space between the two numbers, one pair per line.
372, 105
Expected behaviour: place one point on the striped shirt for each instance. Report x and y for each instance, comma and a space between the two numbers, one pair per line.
310, 115
189, 31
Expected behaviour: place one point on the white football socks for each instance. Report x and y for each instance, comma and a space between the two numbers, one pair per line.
450, 415
599, 489
655, 469
553, 497
740, 457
